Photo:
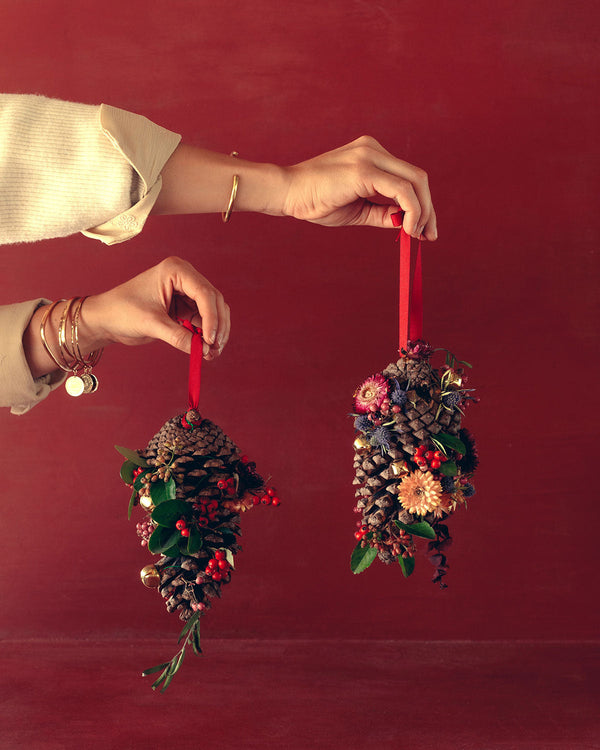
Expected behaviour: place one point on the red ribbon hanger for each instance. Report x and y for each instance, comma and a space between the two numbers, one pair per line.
195, 364
411, 287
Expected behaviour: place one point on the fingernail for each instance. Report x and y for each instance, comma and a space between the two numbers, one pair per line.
420, 231
211, 338
205, 349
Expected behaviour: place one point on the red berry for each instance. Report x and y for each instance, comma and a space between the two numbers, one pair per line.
245, 460
208, 571
212, 506
265, 500
185, 532
358, 535
231, 482
220, 555
364, 529
276, 501
438, 455
203, 521
216, 576
212, 516
256, 500
221, 484
271, 491
212, 563
435, 464
181, 524
358, 524
429, 455
223, 564
395, 408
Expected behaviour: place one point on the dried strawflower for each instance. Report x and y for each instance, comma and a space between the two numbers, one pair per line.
419, 493
371, 393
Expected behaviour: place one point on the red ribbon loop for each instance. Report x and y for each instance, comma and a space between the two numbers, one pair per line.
411, 288
195, 364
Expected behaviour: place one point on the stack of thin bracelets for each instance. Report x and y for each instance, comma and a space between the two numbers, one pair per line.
69, 357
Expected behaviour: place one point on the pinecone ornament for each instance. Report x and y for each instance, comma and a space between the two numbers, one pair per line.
193, 483
410, 445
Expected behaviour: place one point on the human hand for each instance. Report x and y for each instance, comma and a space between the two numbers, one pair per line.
146, 308
342, 187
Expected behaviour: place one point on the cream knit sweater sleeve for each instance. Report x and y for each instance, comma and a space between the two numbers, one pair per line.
67, 168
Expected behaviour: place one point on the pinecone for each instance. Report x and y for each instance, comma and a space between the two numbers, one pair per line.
205, 457
379, 469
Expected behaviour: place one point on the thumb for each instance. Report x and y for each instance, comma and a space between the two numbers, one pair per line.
167, 330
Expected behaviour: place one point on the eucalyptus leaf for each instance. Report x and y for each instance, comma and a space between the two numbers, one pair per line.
157, 668
451, 441
361, 558
127, 469
162, 538
422, 529
169, 512
162, 677
188, 626
449, 469
196, 640
195, 541
132, 456
132, 500
407, 564
161, 492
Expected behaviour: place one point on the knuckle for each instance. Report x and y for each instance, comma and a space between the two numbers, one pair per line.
367, 140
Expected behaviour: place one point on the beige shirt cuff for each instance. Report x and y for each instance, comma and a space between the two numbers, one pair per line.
147, 147
18, 389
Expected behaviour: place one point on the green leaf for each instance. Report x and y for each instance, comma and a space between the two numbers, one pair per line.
188, 626
449, 469
132, 500
462, 362
162, 677
361, 558
127, 469
162, 538
407, 564
195, 541
160, 492
451, 441
172, 551
422, 529
157, 668
132, 456
169, 512
196, 640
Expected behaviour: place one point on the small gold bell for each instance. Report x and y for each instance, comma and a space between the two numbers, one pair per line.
146, 503
399, 468
150, 576
452, 379
361, 443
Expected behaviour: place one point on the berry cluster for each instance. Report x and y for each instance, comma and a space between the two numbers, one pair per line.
218, 569
144, 530
362, 529
206, 508
426, 459
269, 498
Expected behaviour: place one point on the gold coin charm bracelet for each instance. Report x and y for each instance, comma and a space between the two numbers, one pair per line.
69, 357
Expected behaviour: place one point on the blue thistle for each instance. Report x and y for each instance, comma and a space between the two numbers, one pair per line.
468, 490
447, 484
399, 395
382, 437
452, 399
363, 423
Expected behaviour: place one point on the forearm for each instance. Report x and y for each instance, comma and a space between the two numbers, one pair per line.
196, 180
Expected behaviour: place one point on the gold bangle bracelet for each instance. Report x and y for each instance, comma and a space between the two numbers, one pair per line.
226, 215
61, 365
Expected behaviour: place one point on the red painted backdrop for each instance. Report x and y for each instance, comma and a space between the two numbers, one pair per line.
494, 100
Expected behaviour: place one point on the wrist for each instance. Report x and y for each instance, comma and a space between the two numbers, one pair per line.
262, 188
92, 332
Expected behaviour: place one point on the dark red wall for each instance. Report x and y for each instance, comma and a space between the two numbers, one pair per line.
494, 100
